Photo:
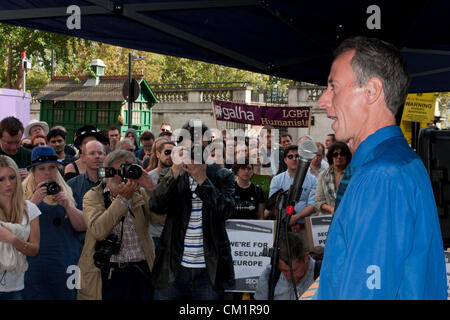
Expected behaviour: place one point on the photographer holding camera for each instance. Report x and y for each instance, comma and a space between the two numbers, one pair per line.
194, 255
59, 224
118, 253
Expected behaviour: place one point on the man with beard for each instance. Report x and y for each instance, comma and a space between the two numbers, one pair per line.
164, 156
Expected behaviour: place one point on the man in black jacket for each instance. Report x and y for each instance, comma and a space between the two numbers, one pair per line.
194, 258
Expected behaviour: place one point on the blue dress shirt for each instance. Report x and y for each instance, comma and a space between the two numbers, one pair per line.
308, 197
385, 241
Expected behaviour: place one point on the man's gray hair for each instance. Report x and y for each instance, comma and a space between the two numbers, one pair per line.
376, 58
120, 143
117, 155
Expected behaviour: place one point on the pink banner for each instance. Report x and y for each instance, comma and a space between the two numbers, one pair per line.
262, 115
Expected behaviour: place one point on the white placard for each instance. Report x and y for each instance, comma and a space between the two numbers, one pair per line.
248, 238
317, 228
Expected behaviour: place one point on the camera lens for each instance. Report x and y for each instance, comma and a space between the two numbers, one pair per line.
134, 172
53, 188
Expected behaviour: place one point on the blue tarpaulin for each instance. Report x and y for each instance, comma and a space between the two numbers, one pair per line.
289, 39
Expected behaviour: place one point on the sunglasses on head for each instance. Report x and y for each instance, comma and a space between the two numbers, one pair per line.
291, 156
335, 154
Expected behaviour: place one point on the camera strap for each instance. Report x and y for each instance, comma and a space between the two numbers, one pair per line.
107, 200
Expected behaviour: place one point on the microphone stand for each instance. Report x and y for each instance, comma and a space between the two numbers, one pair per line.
275, 252
281, 199
307, 151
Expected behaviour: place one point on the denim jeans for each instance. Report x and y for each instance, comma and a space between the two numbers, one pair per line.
192, 284
14, 295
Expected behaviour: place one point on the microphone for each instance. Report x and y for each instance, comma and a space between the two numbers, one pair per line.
307, 150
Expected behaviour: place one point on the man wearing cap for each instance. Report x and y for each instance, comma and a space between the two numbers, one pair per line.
34, 128
83, 136
11, 130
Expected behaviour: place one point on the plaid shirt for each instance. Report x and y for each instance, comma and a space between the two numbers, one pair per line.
326, 189
131, 249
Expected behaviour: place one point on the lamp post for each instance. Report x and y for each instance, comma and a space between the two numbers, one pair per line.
131, 57
26, 66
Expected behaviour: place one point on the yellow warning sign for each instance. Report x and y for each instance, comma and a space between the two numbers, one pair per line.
419, 107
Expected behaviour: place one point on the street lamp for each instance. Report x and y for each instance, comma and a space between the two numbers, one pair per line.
131, 57
26, 66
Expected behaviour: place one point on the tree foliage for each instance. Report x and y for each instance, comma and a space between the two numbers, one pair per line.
73, 57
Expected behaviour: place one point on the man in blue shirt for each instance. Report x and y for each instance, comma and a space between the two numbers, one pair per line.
384, 241
93, 158
305, 206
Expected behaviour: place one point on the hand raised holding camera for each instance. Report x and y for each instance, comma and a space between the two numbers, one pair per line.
39, 194
126, 190
62, 200
177, 160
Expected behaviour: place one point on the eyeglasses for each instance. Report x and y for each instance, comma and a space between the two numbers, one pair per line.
338, 154
291, 156
167, 152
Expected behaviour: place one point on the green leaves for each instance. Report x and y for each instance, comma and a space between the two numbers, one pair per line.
73, 57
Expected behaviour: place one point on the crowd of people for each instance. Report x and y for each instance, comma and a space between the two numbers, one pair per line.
141, 217
61, 185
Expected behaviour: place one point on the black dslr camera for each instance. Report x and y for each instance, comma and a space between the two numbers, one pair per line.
126, 171
104, 249
52, 187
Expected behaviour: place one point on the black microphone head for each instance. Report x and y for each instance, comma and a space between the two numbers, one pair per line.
307, 150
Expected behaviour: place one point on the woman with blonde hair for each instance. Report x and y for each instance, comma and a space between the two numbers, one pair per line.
153, 159
60, 227
19, 231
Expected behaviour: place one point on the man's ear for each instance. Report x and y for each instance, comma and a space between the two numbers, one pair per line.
373, 90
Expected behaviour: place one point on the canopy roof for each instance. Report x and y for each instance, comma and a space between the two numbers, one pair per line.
289, 39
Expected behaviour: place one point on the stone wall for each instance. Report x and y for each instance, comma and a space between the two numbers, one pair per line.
177, 106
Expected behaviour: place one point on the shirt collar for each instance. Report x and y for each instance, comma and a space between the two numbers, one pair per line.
366, 150
86, 177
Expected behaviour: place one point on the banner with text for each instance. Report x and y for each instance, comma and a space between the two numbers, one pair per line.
262, 115
248, 239
317, 230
